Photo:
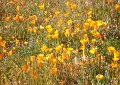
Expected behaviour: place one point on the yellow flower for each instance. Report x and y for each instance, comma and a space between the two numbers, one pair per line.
18, 8
21, 18
83, 41
58, 48
35, 17
90, 12
49, 57
77, 30
47, 19
89, 21
72, 34
67, 33
49, 28
25, 43
93, 50
66, 14
111, 49
35, 29
0, 38
116, 54
97, 34
45, 12
86, 25
33, 58
30, 29
57, 13
40, 57
37, 41
67, 3
69, 22
78, 14
50, 49
10, 53
55, 35
69, 50
51, 16
115, 59
41, 7
44, 48
100, 23
2, 43
73, 6
93, 41
99, 76
14, 48
4, 51
86, 37
61, 59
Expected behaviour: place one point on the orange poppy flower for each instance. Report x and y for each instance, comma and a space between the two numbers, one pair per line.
55, 61
114, 65
1, 56
40, 62
24, 67
33, 22
7, 19
54, 71
116, 6
23, 3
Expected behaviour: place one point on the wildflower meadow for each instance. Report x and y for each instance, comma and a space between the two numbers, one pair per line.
59, 42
